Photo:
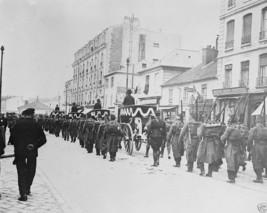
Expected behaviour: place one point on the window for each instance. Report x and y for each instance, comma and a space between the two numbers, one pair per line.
262, 79
247, 24
228, 76
263, 32
155, 60
244, 74
170, 95
147, 85
156, 45
204, 91
156, 83
112, 82
142, 47
230, 35
107, 83
231, 3
143, 65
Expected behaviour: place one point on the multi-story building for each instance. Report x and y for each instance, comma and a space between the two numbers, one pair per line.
68, 96
167, 67
242, 59
179, 94
101, 67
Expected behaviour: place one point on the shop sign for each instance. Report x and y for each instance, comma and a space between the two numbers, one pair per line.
149, 101
229, 91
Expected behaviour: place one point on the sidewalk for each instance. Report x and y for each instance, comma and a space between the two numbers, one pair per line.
43, 198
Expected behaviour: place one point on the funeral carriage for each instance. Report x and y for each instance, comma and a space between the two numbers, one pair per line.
133, 119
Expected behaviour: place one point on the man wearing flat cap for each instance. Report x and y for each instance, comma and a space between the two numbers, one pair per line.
26, 136
257, 147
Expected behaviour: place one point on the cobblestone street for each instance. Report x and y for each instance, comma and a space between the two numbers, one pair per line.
44, 197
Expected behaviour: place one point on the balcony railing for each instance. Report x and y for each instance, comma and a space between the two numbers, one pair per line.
227, 84
246, 39
263, 35
243, 83
261, 81
229, 44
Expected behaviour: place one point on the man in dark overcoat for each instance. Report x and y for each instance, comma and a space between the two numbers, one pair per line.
27, 136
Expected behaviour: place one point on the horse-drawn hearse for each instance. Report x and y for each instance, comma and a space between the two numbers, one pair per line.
133, 119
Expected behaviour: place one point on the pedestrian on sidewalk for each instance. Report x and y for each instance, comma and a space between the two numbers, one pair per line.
27, 136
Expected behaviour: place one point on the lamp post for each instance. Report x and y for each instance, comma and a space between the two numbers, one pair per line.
1, 68
127, 62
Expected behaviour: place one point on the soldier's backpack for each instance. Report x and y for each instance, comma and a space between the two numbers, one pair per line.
192, 128
113, 127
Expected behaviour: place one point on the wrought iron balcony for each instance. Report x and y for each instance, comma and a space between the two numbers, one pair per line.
229, 44
227, 84
261, 81
246, 39
263, 35
244, 83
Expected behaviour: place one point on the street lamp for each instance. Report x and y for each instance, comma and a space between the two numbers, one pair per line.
127, 61
1, 68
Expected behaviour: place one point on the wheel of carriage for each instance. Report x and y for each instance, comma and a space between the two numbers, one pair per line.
138, 142
128, 138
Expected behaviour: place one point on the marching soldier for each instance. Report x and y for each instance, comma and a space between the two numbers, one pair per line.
168, 126
189, 133
207, 150
89, 139
173, 139
156, 134
233, 151
257, 148
112, 134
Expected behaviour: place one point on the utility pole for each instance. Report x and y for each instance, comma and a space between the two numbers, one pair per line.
127, 61
1, 70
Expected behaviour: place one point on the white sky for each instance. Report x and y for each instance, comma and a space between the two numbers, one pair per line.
41, 36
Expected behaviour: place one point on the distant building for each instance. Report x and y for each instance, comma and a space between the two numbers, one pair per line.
11, 104
39, 107
242, 59
100, 66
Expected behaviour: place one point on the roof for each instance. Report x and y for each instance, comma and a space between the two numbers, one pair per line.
195, 74
36, 105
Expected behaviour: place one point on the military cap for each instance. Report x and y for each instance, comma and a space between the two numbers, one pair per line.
29, 111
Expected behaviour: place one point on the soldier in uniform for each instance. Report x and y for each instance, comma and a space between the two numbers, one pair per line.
145, 130
168, 126
102, 140
112, 134
207, 150
156, 134
189, 134
173, 138
257, 147
233, 151
89, 139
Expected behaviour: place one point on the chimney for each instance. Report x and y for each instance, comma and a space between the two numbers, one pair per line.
209, 54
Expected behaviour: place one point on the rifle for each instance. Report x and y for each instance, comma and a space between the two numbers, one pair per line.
231, 120
222, 110
202, 115
242, 116
213, 106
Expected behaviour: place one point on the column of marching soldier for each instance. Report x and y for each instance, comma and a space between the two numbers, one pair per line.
203, 143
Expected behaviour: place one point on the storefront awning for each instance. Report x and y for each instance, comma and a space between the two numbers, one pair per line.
166, 107
259, 110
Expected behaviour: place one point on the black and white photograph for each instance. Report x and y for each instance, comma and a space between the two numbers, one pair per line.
133, 106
